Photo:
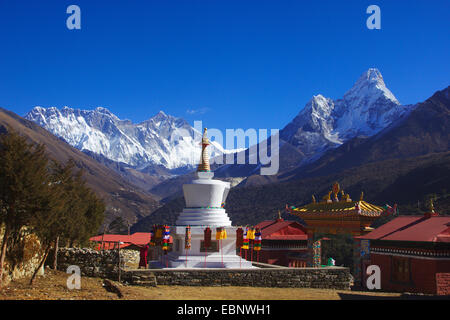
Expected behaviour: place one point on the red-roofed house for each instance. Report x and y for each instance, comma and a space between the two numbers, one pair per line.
283, 243
413, 253
110, 241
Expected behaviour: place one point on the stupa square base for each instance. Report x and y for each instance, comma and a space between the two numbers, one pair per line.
221, 254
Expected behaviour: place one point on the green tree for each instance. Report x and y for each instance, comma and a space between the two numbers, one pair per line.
73, 211
24, 182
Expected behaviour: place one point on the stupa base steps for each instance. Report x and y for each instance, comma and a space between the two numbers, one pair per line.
221, 253
204, 217
172, 261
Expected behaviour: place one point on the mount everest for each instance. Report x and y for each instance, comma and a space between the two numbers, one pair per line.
170, 142
162, 140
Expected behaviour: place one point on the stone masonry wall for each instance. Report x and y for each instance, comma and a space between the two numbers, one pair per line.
94, 263
29, 253
104, 264
325, 278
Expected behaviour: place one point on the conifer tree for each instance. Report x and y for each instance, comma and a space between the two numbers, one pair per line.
73, 211
23, 185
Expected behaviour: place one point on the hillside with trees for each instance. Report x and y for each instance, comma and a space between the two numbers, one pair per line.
41, 197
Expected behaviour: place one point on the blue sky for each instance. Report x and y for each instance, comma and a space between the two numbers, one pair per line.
232, 64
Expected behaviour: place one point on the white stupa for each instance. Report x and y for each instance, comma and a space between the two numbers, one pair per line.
204, 198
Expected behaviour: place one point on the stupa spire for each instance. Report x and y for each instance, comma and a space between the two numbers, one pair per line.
203, 166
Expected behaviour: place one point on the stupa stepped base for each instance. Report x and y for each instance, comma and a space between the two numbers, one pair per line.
221, 254
211, 261
204, 217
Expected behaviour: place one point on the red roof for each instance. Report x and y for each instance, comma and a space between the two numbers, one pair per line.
137, 238
282, 230
413, 228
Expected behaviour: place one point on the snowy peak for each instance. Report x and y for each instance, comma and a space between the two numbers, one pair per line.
371, 77
368, 88
161, 140
367, 108
160, 116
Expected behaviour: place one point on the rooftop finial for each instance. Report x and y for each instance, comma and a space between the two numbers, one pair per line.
335, 190
279, 216
204, 160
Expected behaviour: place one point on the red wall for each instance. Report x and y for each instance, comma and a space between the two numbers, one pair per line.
278, 257
423, 274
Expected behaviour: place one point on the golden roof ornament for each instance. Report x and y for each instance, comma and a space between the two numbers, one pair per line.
361, 196
204, 159
431, 205
313, 199
347, 198
335, 190
327, 197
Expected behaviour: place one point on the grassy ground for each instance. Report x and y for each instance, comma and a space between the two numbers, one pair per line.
52, 286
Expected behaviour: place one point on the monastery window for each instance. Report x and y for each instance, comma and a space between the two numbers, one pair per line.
401, 271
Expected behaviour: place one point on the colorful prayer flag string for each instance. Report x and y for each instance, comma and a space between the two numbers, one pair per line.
258, 240
166, 238
187, 238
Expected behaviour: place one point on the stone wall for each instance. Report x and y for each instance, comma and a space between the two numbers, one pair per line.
104, 264
94, 263
325, 278
24, 258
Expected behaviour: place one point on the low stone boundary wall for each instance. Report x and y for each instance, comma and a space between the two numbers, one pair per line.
325, 278
94, 263
104, 264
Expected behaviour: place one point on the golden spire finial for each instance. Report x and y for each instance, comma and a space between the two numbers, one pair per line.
327, 197
205, 139
361, 196
313, 199
279, 216
431, 205
204, 159
336, 187
335, 190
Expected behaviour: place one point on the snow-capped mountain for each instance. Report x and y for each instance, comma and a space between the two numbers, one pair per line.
161, 140
367, 108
